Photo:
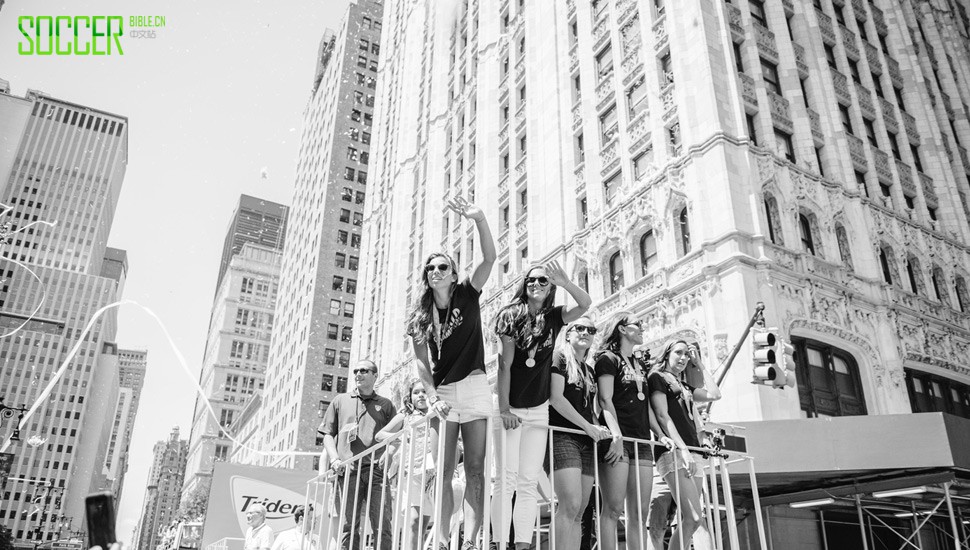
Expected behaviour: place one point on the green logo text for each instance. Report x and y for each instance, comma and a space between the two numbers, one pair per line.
70, 35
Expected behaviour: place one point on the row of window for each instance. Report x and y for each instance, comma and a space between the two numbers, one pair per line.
338, 284
365, 45
354, 155
326, 383
353, 174
348, 308
354, 238
336, 332
342, 261
345, 216
647, 252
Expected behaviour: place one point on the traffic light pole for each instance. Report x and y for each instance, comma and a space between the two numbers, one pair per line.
757, 318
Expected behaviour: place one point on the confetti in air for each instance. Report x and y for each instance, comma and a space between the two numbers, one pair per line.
264, 173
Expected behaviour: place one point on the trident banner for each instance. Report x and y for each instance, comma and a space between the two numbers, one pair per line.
236, 487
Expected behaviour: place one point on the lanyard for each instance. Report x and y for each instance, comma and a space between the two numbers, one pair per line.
439, 327
537, 330
637, 377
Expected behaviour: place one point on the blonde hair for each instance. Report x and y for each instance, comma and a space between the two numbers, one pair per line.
575, 374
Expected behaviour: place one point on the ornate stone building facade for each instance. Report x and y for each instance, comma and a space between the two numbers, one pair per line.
687, 163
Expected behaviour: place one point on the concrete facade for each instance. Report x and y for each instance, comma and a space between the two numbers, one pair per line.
132, 367
64, 163
310, 352
237, 350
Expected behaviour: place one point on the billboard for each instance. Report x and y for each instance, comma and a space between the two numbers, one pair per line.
235, 487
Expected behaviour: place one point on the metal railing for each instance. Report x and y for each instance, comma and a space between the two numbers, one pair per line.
387, 498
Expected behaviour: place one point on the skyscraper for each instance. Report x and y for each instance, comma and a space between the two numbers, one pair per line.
132, 365
310, 351
237, 346
164, 487
254, 221
684, 161
65, 163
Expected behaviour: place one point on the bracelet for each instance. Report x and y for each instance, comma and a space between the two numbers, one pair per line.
433, 399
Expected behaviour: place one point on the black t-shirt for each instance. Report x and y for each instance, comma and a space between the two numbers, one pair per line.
529, 386
463, 347
633, 414
578, 395
678, 409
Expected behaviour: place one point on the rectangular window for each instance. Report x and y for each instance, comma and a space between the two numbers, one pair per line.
846, 119
358, 218
331, 331
870, 132
347, 194
604, 64
339, 259
608, 125
830, 57
341, 236
769, 71
752, 129
784, 145
610, 187
352, 286
349, 174
583, 212
636, 98
338, 283
359, 197
355, 240
349, 309
334, 307
641, 163
352, 154
344, 359
352, 263
738, 58
758, 11
345, 215
346, 333
341, 384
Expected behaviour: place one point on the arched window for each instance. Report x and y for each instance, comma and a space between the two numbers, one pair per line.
616, 272
583, 280
683, 231
648, 252
845, 251
939, 285
915, 275
828, 380
963, 298
774, 220
805, 230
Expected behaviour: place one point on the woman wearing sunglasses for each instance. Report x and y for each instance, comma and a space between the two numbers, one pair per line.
446, 333
627, 469
572, 398
672, 399
527, 329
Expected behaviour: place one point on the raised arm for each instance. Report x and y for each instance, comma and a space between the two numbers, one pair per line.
557, 276
484, 268
708, 390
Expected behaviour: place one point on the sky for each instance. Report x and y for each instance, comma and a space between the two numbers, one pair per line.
215, 105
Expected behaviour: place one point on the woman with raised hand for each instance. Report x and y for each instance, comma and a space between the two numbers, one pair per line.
572, 397
672, 400
445, 327
626, 471
527, 329
414, 459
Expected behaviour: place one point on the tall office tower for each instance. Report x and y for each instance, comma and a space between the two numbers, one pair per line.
311, 344
685, 161
237, 349
254, 221
65, 163
132, 366
164, 488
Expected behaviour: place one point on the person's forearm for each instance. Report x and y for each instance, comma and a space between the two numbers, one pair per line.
487, 243
710, 384
330, 444
668, 424
583, 301
567, 411
609, 415
503, 385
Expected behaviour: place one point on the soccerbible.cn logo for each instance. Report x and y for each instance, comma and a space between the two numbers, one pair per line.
82, 34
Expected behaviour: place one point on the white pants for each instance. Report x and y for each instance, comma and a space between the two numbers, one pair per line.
522, 457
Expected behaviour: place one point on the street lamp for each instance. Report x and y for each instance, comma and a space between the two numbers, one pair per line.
7, 412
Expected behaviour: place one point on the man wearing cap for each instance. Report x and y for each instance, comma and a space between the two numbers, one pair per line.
259, 535
348, 429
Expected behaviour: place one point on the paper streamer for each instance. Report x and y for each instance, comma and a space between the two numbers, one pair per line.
181, 360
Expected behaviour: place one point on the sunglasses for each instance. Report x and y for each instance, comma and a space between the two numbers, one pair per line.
541, 281
583, 328
638, 324
364, 371
431, 268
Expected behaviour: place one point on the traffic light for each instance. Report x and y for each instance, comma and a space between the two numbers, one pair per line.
786, 365
763, 342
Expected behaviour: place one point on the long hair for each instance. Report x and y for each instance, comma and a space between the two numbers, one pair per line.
420, 321
611, 335
513, 319
576, 374
406, 398
661, 360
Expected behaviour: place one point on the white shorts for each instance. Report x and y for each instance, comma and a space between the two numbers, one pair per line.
666, 463
470, 399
